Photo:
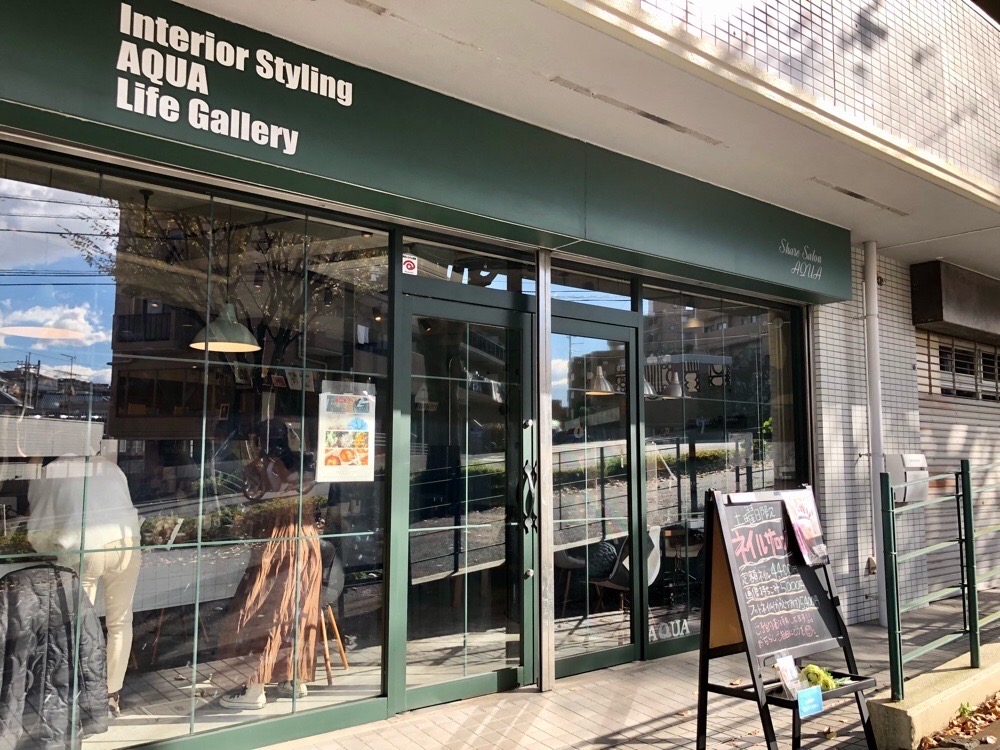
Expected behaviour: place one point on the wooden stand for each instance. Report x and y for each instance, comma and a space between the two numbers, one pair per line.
738, 615
324, 613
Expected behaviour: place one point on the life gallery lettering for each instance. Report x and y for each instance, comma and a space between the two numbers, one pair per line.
158, 63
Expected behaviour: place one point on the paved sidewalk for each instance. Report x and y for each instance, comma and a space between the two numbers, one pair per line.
641, 705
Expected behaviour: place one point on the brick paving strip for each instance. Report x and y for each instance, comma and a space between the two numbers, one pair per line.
635, 706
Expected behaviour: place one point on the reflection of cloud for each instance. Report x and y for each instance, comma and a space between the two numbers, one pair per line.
80, 318
80, 372
560, 372
37, 224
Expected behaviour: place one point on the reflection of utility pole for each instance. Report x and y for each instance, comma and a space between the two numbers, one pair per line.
70, 388
27, 380
72, 359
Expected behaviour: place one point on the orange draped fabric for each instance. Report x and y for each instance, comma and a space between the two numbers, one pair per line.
261, 620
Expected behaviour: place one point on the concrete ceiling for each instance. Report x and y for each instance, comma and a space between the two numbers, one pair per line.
526, 60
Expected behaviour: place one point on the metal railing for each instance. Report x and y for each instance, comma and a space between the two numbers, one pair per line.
969, 578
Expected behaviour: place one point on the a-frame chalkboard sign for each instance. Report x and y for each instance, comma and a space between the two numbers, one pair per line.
759, 599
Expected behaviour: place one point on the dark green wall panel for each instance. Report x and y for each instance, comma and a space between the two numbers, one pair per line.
667, 215
404, 150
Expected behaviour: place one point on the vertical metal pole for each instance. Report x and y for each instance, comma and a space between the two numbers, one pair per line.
677, 477
397, 462
692, 468
602, 478
961, 551
888, 562
546, 525
969, 526
875, 433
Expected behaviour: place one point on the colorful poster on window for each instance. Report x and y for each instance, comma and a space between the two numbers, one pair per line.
802, 512
346, 438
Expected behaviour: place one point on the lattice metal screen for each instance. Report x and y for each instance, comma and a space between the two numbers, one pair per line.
925, 71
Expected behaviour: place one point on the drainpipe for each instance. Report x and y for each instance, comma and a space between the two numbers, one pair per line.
873, 363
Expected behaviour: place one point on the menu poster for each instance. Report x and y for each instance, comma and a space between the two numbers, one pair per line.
784, 606
801, 508
346, 438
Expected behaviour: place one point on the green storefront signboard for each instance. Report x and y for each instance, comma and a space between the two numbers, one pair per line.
156, 80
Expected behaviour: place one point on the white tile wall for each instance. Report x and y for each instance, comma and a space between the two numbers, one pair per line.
840, 394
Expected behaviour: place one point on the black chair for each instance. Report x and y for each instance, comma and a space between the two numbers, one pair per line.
620, 576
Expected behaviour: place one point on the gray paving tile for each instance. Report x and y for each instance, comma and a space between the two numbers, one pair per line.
637, 706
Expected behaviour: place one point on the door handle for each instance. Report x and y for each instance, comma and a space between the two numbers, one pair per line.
529, 473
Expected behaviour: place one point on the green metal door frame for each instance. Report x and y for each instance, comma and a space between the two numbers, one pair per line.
401, 698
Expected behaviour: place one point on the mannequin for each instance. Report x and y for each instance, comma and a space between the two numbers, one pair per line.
83, 504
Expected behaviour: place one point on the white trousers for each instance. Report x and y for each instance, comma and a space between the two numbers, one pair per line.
117, 568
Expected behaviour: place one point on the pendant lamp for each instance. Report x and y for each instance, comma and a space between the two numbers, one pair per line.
648, 391
600, 385
225, 334
673, 389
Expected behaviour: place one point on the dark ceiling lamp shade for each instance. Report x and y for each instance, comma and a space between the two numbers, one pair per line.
600, 385
225, 334
377, 314
258, 278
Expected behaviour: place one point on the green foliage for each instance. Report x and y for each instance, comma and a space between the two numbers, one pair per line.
965, 710
15, 543
231, 522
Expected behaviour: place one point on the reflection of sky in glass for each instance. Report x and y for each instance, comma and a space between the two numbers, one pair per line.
583, 296
560, 368
46, 280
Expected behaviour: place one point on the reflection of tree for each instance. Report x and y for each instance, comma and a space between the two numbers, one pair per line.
282, 282
751, 382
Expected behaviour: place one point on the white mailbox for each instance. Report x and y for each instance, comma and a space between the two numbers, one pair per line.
907, 467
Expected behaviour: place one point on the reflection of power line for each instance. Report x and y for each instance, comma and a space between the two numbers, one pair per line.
56, 216
36, 354
105, 203
73, 274
61, 233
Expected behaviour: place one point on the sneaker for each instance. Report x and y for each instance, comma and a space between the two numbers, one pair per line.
114, 707
250, 697
285, 689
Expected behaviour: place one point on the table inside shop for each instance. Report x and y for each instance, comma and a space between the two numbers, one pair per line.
167, 577
677, 546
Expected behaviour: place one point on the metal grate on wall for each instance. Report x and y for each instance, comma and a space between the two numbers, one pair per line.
947, 366
924, 71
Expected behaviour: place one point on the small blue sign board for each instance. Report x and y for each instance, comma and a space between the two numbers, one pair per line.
810, 701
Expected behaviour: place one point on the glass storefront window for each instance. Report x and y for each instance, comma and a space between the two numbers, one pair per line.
433, 260
719, 415
192, 419
592, 498
601, 291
